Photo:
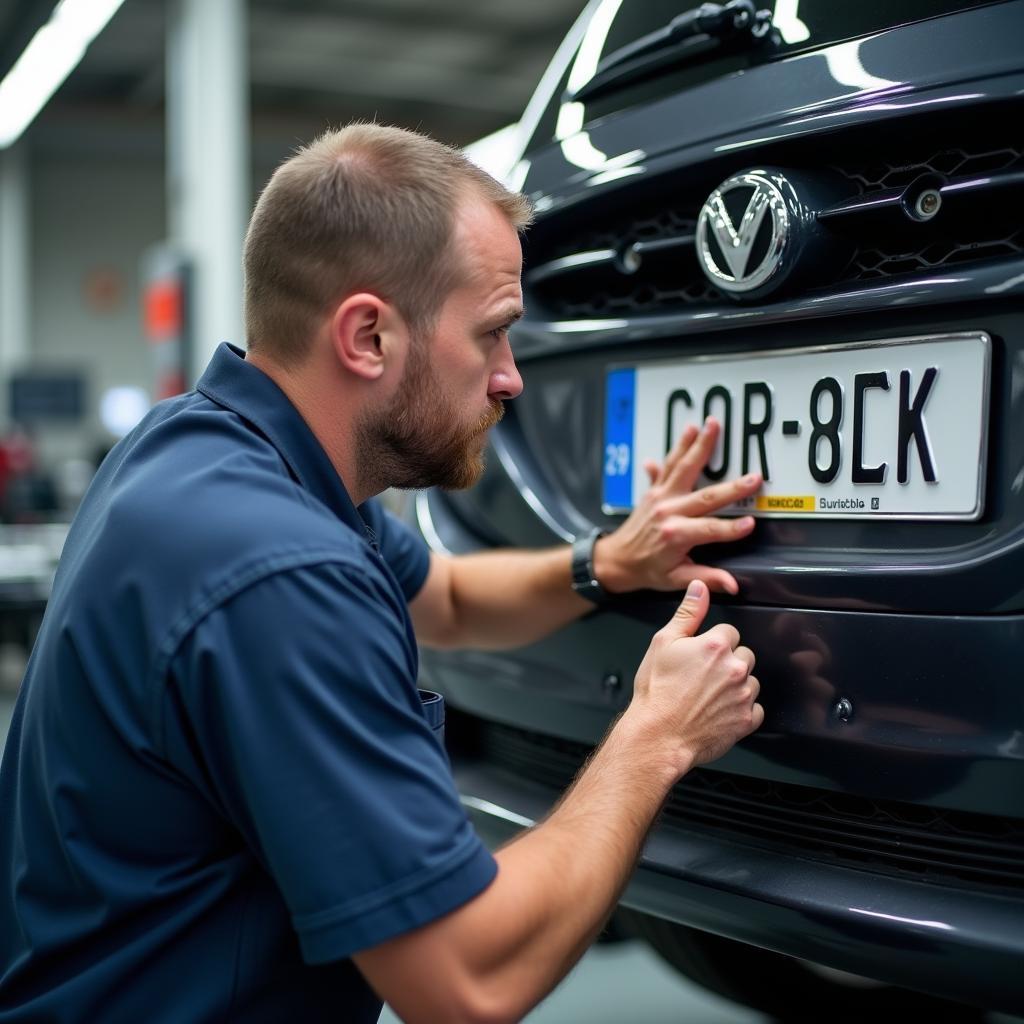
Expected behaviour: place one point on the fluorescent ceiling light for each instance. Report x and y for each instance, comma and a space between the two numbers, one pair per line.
49, 58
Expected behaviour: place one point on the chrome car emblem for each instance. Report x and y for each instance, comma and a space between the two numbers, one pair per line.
740, 259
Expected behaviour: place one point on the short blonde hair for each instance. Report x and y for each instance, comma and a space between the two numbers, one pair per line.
368, 207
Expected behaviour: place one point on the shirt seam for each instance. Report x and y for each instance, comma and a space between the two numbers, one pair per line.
220, 596
213, 395
311, 497
318, 921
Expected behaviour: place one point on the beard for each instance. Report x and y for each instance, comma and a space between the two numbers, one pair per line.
420, 438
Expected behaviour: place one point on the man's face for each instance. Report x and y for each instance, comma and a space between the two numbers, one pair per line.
433, 431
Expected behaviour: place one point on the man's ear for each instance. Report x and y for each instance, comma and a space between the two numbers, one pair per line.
366, 332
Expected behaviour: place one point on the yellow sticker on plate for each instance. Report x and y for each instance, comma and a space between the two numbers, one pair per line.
785, 503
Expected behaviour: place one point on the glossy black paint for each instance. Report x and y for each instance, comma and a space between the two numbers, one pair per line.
966, 946
900, 200
1003, 280
921, 567
919, 626
939, 709
697, 59
918, 69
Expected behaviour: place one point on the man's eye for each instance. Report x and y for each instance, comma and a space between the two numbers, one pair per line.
499, 332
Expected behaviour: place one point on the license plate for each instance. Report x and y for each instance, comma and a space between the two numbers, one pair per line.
891, 429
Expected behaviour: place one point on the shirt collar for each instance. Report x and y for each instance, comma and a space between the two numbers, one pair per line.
246, 390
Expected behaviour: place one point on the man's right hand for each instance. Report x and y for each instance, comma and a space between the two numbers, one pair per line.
494, 957
695, 693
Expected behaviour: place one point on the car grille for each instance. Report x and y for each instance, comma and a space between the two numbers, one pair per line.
641, 258
967, 238
588, 275
926, 844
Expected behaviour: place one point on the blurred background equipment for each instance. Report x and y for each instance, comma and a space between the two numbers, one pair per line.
134, 138
126, 182
167, 318
121, 408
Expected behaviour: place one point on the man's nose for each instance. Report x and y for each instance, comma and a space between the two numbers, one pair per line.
505, 382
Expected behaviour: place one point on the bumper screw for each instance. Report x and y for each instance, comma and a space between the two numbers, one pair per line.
612, 682
843, 710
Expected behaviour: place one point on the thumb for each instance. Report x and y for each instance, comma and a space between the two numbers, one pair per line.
690, 614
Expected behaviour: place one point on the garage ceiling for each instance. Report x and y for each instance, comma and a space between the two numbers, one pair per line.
455, 69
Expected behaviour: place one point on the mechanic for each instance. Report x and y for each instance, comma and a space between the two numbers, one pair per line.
221, 797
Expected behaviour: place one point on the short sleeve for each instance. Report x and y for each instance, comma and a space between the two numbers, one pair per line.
407, 555
293, 706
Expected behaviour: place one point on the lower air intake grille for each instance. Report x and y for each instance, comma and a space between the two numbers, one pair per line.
924, 843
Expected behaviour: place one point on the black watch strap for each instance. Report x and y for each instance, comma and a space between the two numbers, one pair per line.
584, 580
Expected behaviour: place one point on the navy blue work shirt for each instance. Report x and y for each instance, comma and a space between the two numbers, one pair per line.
219, 782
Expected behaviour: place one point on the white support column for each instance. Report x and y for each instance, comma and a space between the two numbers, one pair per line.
15, 268
208, 175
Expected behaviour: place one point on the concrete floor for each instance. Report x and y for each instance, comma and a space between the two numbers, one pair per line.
613, 983
627, 982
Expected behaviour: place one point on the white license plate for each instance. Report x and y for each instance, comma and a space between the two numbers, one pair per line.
891, 429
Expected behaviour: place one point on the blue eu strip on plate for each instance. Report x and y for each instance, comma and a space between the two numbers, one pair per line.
620, 394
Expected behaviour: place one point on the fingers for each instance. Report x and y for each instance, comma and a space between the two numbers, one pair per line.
710, 499
746, 655
755, 688
686, 438
756, 709
688, 459
756, 718
687, 532
691, 612
683, 473
681, 447
723, 633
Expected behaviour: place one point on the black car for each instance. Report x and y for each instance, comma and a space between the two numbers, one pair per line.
808, 222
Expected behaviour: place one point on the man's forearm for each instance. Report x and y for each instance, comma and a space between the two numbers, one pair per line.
586, 851
494, 957
556, 885
504, 599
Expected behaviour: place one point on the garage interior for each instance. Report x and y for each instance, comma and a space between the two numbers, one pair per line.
112, 181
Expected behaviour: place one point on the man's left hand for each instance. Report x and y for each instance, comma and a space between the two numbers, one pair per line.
651, 549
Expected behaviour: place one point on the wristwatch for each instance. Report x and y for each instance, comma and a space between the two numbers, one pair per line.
584, 581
